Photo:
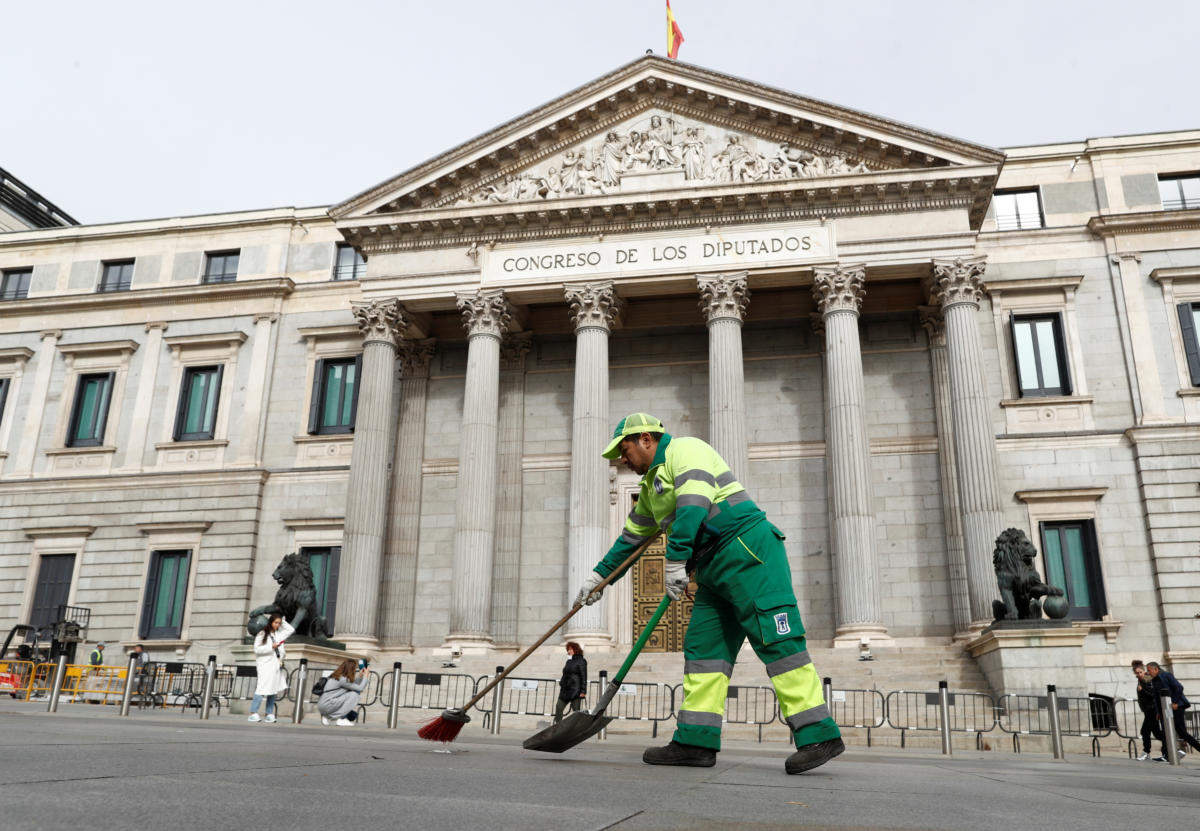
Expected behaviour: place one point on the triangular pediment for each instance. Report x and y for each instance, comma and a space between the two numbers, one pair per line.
660, 129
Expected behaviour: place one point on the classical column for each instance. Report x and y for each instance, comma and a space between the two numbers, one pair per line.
506, 571
256, 391
838, 293
723, 299
595, 309
1138, 340
487, 315
144, 404
960, 598
32, 428
957, 287
382, 323
404, 526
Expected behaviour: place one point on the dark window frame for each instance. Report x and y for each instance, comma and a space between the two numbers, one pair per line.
355, 270
182, 557
212, 394
211, 276
1097, 608
5, 383
1063, 365
1021, 221
12, 286
123, 282
1182, 203
320, 392
95, 438
43, 607
326, 584
1189, 328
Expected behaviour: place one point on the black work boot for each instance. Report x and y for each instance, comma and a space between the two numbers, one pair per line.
688, 755
813, 755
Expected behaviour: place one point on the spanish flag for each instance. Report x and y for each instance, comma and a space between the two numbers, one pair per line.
674, 36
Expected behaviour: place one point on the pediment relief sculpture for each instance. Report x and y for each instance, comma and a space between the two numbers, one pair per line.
662, 151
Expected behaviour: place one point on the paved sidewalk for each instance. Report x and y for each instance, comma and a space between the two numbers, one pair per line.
87, 768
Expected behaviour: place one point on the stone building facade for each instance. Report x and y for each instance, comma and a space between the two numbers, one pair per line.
902, 342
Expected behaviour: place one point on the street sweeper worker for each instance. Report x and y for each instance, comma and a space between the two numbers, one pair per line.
716, 533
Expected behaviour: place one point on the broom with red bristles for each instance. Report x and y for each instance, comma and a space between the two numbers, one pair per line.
446, 727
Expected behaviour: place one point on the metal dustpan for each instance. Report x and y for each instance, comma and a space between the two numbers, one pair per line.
581, 726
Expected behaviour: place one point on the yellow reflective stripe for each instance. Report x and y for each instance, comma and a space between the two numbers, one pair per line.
798, 690
748, 551
705, 692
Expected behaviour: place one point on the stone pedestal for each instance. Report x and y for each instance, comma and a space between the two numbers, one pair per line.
1022, 659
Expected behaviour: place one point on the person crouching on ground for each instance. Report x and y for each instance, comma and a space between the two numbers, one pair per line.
339, 702
269, 654
572, 687
745, 591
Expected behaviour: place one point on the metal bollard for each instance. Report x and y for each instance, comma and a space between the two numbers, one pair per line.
127, 694
1168, 724
497, 703
60, 673
827, 691
1056, 743
302, 679
210, 675
394, 709
603, 687
944, 711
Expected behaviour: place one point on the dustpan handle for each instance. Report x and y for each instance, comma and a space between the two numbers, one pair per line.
647, 630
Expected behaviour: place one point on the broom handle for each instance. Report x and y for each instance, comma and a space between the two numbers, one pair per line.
570, 614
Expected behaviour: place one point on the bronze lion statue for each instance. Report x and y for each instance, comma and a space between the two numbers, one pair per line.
1020, 584
296, 600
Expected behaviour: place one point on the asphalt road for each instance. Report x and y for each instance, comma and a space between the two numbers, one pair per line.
87, 768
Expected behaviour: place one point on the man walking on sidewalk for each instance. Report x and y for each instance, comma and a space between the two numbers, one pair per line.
1166, 684
1147, 701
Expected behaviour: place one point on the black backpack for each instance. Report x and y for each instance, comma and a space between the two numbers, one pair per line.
319, 686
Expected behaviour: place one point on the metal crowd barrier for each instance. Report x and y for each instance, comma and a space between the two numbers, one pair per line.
526, 697
1024, 715
857, 708
748, 705
967, 713
16, 678
426, 690
637, 701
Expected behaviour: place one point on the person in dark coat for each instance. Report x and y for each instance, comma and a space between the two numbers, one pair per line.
572, 687
1166, 684
1148, 703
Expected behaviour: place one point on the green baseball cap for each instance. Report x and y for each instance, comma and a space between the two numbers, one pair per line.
633, 424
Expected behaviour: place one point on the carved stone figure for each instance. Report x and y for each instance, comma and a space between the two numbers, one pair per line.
611, 160
1020, 584
695, 154
296, 600
660, 144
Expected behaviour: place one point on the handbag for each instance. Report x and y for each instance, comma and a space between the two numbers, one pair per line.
319, 687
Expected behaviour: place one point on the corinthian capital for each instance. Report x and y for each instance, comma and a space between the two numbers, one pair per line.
485, 312
415, 356
594, 305
934, 324
381, 320
957, 281
839, 289
723, 296
513, 350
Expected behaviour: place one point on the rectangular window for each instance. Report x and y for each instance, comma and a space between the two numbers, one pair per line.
221, 267
325, 563
1189, 327
1073, 564
53, 589
117, 276
350, 264
197, 415
15, 285
335, 396
89, 413
166, 588
1179, 193
1040, 355
1017, 210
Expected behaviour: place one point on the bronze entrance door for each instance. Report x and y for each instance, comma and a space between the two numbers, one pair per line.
648, 593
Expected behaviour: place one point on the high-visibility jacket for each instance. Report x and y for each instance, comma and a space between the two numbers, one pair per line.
97, 658
690, 493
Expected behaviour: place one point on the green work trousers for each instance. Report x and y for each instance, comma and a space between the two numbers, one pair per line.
745, 591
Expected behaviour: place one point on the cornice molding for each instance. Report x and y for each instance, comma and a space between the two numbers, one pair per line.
274, 287
1114, 225
1036, 284
98, 347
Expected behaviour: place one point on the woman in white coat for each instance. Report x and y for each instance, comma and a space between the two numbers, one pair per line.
269, 653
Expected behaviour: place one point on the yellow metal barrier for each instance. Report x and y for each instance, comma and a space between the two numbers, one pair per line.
82, 682
16, 678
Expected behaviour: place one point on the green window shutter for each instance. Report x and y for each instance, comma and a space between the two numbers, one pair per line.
314, 408
151, 592
1191, 340
353, 393
1060, 345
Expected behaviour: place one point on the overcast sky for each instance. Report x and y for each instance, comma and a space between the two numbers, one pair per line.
121, 110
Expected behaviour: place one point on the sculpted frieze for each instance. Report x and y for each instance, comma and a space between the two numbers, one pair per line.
696, 153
